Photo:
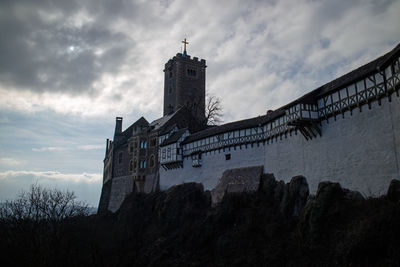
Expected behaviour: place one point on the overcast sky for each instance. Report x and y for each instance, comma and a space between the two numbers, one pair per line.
68, 68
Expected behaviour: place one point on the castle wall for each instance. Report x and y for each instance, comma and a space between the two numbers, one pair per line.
395, 113
214, 163
120, 188
359, 151
348, 152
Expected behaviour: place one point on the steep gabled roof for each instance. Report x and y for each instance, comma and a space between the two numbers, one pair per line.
182, 118
174, 137
160, 122
125, 135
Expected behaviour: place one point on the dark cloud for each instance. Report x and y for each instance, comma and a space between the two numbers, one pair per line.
112, 52
57, 46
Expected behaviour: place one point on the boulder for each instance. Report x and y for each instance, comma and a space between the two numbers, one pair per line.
295, 196
237, 180
393, 193
290, 197
352, 195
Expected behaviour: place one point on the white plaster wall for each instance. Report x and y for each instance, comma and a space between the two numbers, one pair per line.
213, 165
395, 113
361, 152
358, 151
120, 188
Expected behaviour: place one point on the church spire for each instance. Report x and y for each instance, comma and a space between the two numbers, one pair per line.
184, 49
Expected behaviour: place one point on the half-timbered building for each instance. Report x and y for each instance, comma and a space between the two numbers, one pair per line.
347, 131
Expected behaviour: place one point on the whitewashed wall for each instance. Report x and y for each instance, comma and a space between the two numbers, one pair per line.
213, 165
358, 151
361, 151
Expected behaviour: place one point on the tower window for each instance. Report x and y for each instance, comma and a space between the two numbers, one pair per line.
170, 109
170, 90
120, 157
191, 72
227, 156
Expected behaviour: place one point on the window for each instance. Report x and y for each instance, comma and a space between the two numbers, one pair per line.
191, 72
170, 90
142, 164
152, 162
130, 148
227, 156
169, 152
196, 160
131, 166
143, 144
135, 145
120, 155
134, 164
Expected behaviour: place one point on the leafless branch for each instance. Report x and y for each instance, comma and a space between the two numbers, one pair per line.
213, 110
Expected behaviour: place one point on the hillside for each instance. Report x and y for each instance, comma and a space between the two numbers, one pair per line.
279, 225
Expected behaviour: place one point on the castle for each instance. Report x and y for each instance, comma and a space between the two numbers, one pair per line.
347, 131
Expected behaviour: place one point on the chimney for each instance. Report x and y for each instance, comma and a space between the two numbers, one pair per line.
118, 126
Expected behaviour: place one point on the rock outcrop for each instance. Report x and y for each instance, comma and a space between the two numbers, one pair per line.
393, 193
290, 197
237, 180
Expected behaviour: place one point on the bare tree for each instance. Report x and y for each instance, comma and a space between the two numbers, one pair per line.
35, 222
213, 110
41, 204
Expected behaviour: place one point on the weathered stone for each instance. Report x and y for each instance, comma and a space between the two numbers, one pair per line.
268, 183
393, 192
237, 180
353, 195
295, 196
328, 190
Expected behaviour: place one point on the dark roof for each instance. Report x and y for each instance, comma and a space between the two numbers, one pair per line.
232, 126
357, 74
182, 118
174, 137
121, 138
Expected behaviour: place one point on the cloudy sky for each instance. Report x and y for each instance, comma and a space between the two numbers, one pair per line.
68, 68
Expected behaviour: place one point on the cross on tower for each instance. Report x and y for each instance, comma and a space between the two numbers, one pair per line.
184, 46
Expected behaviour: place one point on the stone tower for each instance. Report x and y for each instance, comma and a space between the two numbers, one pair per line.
185, 84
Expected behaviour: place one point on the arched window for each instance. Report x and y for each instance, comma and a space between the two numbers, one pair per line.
134, 164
